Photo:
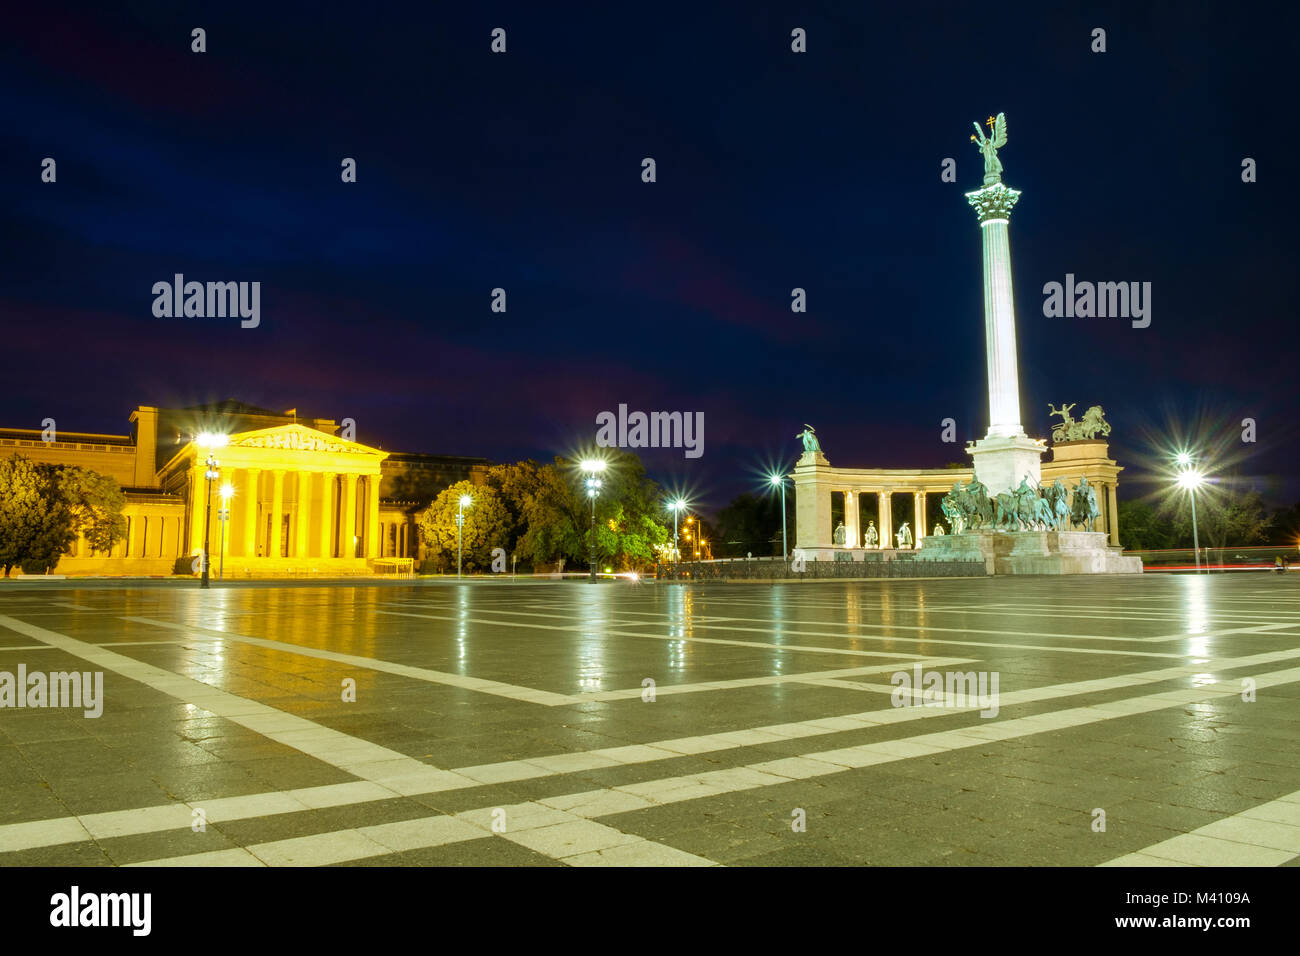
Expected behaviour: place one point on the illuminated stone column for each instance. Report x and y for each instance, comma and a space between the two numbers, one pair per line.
251, 476
918, 530
1006, 454
886, 521
327, 515
302, 514
197, 471
852, 537
1112, 495
347, 547
372, 519
277, 509
812, 503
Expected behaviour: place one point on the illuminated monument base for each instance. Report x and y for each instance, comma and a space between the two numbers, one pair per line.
1032, 552
1002, 463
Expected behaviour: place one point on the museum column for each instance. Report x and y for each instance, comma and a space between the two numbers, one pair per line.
372, 521
302, 514
197, 500
327, 515
274, 544
348, 533
251, 476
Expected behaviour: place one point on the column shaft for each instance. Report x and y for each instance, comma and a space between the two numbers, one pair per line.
348, 533
277, 509
249, 543
197, 501
852, 537
372, 519
1000, 332
327, 515
886, 522
302, 513
1112, 496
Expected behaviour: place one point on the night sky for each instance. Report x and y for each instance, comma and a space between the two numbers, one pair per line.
775, 170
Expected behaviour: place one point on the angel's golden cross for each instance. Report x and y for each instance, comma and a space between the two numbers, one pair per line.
989, 122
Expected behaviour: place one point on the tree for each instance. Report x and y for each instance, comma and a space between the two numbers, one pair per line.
44, 507
550, 515
1284, 525
1224, 518
1143, 528
25, 505
486, 525
551, 523
95, 503
628, 514
749, 524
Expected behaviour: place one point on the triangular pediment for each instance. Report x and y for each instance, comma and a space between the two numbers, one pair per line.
301, 438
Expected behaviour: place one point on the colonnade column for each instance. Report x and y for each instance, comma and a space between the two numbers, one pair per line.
327, 515
852, 537
1112, 496
347, 544
886, 522
198, 500
919, 527
302, 514
277, 509
372, 518
251, 476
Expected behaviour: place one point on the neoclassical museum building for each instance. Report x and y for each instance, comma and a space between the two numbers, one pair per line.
301, 499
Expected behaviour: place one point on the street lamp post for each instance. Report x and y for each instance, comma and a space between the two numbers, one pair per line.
227, 490
780, 480
465, 502
209, 441
592, 467
212, 474
675, 507
1191, 479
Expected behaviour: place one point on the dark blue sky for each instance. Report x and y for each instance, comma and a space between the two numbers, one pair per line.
775, 170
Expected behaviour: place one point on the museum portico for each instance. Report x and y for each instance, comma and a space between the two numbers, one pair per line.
302, 500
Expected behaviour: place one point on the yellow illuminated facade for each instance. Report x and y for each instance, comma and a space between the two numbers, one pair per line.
305, 501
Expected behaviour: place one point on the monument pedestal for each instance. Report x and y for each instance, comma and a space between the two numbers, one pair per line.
1001, 462
1032, 552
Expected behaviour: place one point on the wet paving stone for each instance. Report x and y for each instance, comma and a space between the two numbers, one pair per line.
499, 724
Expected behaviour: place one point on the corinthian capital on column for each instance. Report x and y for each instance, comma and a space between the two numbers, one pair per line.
993, 202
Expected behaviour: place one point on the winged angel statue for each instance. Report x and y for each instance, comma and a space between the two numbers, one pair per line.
989, 146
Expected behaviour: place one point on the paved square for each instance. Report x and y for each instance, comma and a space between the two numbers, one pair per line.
621, 724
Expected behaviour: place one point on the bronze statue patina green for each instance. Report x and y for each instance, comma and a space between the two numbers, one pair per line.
1084, 510
1093, 423
989, 146
810, 442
